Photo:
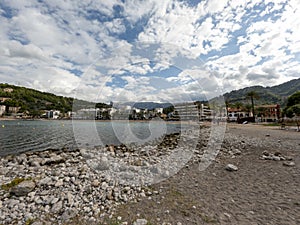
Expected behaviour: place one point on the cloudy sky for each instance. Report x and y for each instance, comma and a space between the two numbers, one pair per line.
152, 50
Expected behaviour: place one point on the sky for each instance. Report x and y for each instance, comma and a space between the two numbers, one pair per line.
151, 50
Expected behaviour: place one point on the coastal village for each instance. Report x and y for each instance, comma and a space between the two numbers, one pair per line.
201, 111
270, 113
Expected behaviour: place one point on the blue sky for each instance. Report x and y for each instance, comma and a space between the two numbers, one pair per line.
153, 50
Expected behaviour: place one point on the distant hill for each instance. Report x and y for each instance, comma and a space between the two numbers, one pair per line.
148, 105
35, 101
267, 95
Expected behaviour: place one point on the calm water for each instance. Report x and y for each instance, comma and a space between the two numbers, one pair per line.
22, 136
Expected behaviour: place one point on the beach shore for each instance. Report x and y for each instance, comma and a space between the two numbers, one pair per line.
260, 187
263, 190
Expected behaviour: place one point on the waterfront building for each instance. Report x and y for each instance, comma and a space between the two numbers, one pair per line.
2, 109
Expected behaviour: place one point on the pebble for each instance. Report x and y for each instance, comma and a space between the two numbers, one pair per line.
140, 222
59, 183
289, 163
57, 206
231, 167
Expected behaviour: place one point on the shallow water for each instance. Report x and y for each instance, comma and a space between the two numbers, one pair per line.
38, 135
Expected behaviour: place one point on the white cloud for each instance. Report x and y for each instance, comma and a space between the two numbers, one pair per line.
62, 46
15, 49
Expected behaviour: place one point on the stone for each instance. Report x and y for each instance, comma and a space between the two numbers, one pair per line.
109, 195
55, 159
68, 214
45, 181
95, 183
140, 222
155, 170
57, 206
276, 158
111, 148
32, 194
288, 163
231, 167
102, 164
59, 183
54, 200
227, 215
104, 185
38, 200
237, 152
166, 174
70, 198
12, 202
34, 163
23, 188
86, 154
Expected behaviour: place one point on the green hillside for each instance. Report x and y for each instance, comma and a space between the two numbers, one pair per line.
286, 89
34, 101
267, 95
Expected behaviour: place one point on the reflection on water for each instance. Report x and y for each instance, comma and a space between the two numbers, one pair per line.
21, 136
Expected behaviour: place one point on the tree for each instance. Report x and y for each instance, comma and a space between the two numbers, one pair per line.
294, 99
227, 106
252, 95
168, 110
293, 105
293, 111
238, 105
248, 108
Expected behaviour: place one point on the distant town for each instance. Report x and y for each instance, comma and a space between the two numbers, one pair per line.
197, 111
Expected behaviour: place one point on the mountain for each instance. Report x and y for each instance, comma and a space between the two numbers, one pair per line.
286, 89
267, 95
148, 105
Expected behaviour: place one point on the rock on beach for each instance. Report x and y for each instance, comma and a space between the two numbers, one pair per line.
23, 188
231, 167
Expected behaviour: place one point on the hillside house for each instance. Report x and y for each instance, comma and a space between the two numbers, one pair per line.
9, 90
3, 99
53, 114
13, 109
234, 114
2, 109
268, 113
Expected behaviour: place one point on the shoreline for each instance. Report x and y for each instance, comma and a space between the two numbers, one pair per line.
75, 186
205, 123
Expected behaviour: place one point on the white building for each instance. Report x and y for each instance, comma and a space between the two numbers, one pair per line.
53, 114
2, 109
159, 110
187, 111
205, 112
